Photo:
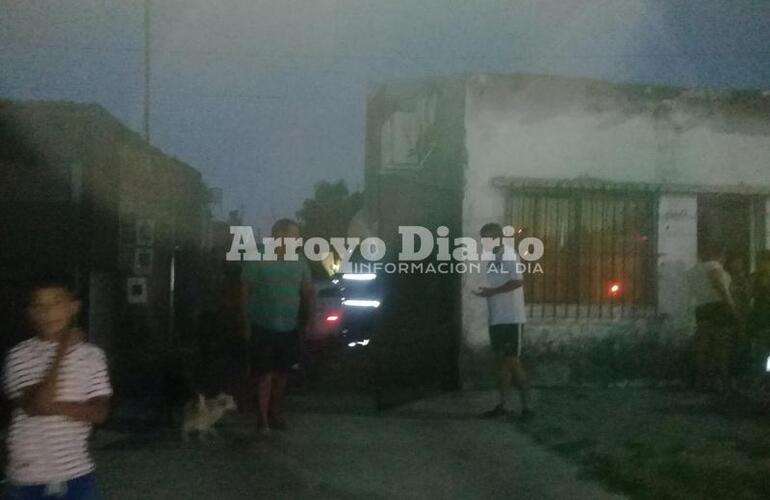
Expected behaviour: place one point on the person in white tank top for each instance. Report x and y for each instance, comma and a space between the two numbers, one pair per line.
717, 321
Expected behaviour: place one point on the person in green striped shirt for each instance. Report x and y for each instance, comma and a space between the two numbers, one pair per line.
280, 308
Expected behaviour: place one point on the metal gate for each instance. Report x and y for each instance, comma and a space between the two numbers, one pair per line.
415, 348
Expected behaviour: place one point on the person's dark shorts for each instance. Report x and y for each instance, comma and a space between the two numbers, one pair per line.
715, 313
506, 339
273, 351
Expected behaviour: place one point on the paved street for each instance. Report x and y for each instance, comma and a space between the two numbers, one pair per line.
430, 449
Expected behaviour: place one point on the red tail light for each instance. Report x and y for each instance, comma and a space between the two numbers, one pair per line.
332, 318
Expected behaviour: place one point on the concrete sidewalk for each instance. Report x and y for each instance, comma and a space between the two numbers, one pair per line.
434, 448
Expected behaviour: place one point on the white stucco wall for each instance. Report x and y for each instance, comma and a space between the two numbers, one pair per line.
562, 129
677, 252
555, 128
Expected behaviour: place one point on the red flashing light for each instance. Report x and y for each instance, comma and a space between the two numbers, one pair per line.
332, 318
615, 289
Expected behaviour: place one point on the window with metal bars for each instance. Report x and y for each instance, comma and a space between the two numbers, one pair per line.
598, 259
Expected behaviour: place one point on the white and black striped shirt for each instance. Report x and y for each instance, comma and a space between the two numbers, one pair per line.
45, 449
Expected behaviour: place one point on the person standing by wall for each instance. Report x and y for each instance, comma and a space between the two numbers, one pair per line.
716, 318
507, 315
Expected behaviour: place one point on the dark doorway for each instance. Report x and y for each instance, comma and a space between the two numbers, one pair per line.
724, 222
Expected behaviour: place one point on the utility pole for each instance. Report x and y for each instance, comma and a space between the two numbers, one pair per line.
172, 276
147, 5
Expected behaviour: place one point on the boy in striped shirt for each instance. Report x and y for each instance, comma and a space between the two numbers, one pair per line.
59, 386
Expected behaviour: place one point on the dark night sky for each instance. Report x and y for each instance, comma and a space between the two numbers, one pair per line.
268, 97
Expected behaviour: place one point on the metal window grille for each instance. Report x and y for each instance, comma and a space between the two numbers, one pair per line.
598, 259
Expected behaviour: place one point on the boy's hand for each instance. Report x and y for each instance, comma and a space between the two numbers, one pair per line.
483, 292
37, 401
94, 410
43, 404
40, 399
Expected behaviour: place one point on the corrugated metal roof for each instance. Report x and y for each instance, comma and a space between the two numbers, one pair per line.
592, 183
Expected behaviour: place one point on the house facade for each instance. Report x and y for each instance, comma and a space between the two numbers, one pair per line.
622, 183
83, 193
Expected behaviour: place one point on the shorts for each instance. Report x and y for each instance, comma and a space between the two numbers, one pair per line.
273, 351
506, 339
79, 488
716, 314
716, 339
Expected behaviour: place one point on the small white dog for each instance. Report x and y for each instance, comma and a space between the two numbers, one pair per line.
201, 415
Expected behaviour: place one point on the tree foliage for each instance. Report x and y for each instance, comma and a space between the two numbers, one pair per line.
328, 213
